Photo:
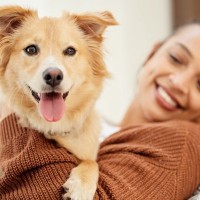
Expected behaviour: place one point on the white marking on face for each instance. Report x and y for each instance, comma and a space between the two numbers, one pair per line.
38, 84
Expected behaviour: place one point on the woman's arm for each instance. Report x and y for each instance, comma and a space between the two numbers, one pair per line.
155, 161
159, 161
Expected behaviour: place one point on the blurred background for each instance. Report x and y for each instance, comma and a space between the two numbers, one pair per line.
141, 24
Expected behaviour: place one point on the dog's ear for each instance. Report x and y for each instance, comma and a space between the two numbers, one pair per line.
12, 17
94, 24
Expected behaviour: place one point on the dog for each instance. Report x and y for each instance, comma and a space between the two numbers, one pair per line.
51, 74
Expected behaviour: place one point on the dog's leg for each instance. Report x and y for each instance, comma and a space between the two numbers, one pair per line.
82, 182
83, 179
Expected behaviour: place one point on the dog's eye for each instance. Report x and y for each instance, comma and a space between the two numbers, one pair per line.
31, 50
70, 51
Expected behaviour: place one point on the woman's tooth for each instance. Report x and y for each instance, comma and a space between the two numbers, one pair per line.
166, 97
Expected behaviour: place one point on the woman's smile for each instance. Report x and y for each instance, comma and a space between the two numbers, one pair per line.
165, 100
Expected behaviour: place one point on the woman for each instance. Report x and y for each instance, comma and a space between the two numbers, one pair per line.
169, 81
155, 155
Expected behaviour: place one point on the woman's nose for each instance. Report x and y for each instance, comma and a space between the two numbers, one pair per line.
181, 81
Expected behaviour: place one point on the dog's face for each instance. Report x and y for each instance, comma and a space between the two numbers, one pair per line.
51, 66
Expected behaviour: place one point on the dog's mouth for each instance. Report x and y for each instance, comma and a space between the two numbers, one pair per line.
51, 105
37, 95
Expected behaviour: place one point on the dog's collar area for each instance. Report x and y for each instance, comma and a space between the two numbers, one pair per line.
37, 96
65, 133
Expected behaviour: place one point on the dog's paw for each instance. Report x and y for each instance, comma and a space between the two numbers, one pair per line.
76, 189
82, 182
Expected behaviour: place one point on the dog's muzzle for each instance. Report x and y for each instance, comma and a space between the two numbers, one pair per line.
52, 76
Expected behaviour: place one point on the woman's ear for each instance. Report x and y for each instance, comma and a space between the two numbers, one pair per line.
153, 51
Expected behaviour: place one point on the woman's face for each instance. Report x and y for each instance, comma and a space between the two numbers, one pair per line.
169, 82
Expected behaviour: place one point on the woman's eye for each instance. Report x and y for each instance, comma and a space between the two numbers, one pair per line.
70, 51
31, 50
175, 59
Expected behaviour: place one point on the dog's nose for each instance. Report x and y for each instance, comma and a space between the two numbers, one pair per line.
53, 76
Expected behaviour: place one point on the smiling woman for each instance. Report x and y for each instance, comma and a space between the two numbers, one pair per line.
169, 82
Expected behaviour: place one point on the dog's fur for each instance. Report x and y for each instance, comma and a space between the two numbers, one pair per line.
21, 75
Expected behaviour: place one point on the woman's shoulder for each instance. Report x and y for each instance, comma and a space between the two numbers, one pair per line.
167, 153
168, 140
166, 129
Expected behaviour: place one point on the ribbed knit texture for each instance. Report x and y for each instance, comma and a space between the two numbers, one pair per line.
152, 162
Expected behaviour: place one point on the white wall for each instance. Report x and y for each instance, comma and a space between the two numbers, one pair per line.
142, 22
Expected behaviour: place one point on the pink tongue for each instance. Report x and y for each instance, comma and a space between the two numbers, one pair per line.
52, 106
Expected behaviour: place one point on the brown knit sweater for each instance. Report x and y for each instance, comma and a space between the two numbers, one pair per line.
152, 162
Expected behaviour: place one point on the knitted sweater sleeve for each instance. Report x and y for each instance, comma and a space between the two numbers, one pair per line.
159, 161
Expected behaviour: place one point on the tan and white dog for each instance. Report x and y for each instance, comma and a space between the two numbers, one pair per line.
51, 73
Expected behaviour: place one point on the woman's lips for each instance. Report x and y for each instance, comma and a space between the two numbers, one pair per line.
165, 100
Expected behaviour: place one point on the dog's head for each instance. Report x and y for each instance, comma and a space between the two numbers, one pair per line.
51, 66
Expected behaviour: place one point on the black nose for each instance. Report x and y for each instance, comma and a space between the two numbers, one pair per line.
53, 76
